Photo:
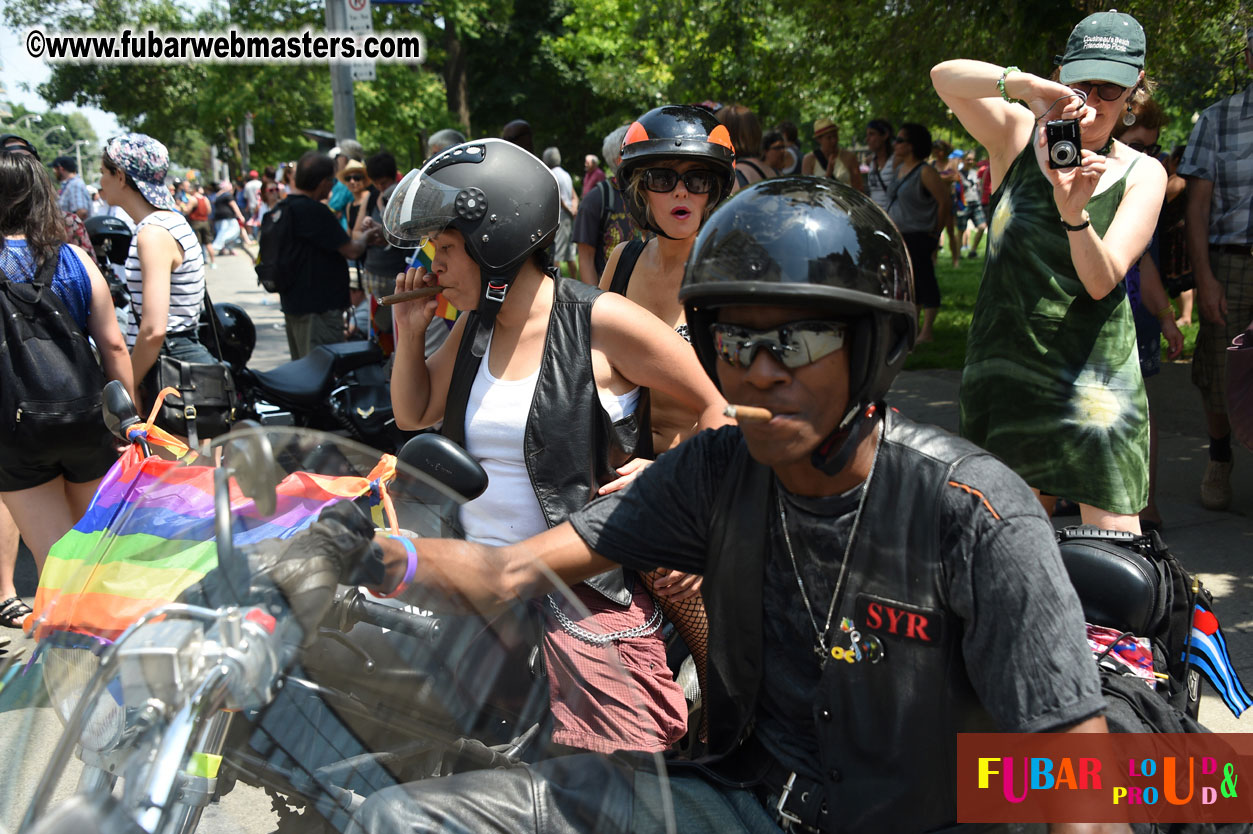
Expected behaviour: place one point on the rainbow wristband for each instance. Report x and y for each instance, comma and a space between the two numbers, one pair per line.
410, 569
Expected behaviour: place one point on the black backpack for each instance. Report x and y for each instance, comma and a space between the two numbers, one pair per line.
50, 379
275, 233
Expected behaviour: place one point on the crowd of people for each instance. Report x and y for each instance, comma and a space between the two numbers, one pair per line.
709, 271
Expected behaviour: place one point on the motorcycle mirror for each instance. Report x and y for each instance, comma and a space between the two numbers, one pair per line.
251, 460
446, 462
119, 410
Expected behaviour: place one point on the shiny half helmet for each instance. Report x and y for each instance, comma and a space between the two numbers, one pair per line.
676, 132
818, 245
501, 199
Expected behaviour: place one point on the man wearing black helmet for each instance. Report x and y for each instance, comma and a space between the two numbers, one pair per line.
874, 586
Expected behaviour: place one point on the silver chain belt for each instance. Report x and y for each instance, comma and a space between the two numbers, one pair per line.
577, 631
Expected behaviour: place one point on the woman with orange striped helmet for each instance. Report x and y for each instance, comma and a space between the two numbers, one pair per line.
678, 164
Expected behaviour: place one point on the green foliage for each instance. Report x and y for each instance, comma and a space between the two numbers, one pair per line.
54, 134
578, 68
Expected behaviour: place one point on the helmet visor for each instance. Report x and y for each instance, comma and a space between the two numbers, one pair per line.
422, 207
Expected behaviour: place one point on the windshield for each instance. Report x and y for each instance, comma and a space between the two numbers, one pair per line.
168, 683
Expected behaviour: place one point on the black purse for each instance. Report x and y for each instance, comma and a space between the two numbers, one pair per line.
206, 390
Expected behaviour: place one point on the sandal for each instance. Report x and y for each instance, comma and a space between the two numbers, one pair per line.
13, 611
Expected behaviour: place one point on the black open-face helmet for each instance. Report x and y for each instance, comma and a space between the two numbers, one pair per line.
820, 246
238, 334
676, 131
110, 236
502, 200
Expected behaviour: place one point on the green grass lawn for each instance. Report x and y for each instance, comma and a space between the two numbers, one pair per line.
958, 287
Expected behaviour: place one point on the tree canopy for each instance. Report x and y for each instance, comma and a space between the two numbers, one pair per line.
578, 68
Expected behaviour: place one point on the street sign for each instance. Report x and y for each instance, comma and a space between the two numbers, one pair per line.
358, 20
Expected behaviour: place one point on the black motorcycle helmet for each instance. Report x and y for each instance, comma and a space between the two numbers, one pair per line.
822, 246
110, 236
238, 334
502, 200
676, 132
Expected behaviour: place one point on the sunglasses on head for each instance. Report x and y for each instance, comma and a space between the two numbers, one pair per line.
1106, 92
793, 345
1151, 150
663, 180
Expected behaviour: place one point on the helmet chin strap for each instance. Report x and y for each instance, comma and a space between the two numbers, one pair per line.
495, 288
835, 452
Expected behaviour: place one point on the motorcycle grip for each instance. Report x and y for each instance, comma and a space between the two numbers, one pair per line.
396, 619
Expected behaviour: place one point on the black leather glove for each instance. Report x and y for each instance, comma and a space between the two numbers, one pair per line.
307, 567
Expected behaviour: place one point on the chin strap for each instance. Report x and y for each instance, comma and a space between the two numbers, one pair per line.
834, 453
496, 287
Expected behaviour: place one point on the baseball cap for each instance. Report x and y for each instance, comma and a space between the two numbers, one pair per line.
957, 154
1106, 46
146, 161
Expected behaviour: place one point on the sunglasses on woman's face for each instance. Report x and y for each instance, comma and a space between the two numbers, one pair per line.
354, 178
793, 345
1106, 92
663, 180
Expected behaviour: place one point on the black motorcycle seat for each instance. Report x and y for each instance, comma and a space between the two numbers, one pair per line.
1118, 587
307, 382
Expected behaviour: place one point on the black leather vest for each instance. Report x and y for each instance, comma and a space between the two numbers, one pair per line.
886, 730
569, 436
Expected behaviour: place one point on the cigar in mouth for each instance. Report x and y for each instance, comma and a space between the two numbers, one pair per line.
410, 295
748, 413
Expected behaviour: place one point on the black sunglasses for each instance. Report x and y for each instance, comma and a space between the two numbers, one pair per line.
1106, 92
663, 180
354, 178
1151, 150
793, 345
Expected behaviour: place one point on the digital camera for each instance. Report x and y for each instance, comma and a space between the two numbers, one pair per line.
1062, 136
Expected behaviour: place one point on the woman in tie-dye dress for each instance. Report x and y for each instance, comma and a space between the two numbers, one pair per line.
1052, 382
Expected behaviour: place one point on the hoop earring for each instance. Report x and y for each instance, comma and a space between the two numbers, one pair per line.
1128, 118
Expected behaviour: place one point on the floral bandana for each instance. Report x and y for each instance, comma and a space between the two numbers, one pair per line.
146, 161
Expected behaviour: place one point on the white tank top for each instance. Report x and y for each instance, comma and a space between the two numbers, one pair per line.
496, 413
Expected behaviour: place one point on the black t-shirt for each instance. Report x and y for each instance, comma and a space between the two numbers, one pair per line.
1022, 635
222, 207
601, 227
319, 274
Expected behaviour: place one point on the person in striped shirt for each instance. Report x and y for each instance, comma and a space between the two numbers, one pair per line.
165, 265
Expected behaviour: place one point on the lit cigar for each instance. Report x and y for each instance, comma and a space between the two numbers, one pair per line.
748, 413
410, 295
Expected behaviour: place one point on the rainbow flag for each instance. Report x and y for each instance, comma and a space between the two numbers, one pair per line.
422, 257
148, 534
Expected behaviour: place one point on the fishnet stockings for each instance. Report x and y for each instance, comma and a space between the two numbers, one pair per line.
689, 620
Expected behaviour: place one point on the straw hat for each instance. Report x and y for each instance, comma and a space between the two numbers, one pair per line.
353, 167
823, 125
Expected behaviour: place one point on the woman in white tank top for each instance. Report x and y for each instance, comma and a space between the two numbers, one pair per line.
165, 265
627, 348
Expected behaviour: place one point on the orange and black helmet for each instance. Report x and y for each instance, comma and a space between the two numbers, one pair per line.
676, 131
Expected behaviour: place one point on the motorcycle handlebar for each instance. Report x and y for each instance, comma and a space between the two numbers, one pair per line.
396, 619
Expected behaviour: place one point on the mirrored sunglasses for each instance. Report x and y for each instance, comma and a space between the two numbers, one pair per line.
793, 345
1106, 92
663, 180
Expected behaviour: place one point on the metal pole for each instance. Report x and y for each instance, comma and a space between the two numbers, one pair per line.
78, 155
342, 103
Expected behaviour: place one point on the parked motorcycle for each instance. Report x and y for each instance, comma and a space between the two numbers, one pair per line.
219, 689
340, 388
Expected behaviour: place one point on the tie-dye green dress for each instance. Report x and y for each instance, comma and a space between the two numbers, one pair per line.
1052, 380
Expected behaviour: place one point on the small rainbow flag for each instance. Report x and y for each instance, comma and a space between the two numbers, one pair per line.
422, 257
148, 534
